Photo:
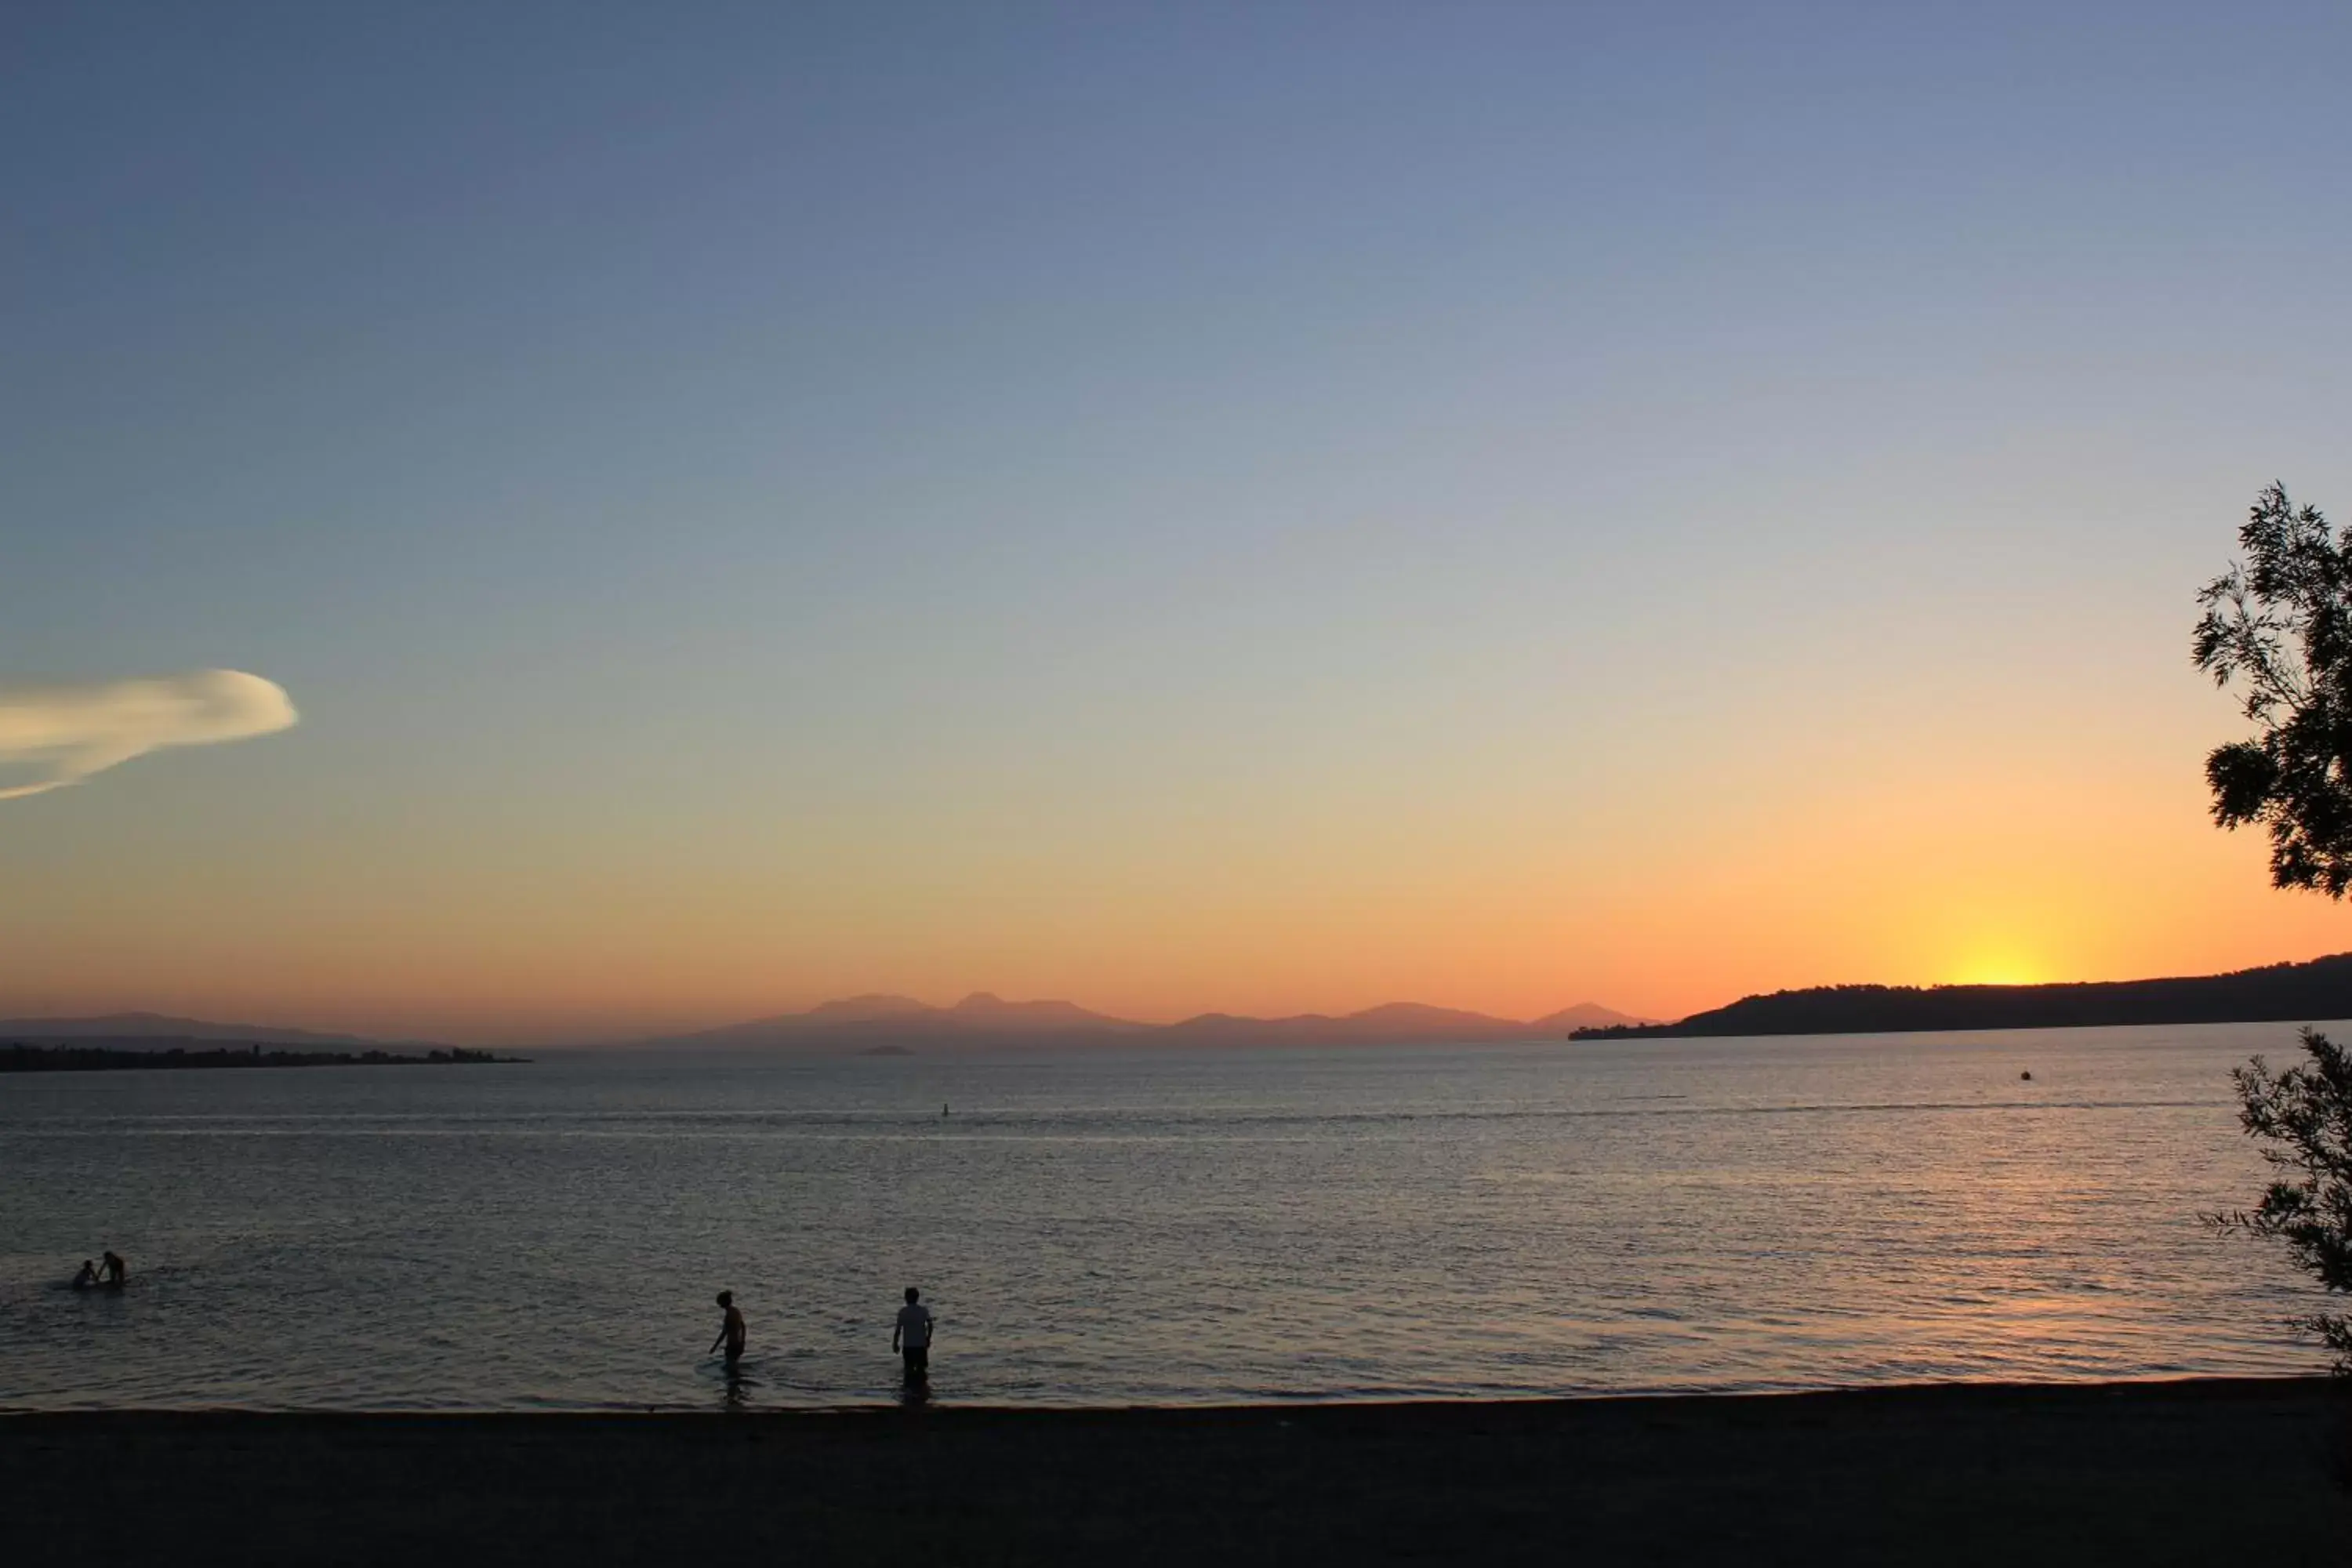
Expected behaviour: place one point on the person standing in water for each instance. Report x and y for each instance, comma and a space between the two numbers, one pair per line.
114, 1270
911, 1336
731, 1332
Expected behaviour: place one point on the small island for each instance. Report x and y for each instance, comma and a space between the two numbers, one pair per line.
115, 1056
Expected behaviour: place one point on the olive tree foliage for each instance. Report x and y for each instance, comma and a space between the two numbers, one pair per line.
2303, 1115
2279, 626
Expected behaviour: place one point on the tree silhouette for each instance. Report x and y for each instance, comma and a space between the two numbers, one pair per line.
2281, 624
2303, 1116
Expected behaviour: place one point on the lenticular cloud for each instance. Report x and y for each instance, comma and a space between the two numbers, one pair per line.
52, 736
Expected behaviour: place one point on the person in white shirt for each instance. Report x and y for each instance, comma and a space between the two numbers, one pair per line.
911, 1336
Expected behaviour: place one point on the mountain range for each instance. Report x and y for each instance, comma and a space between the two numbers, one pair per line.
885, 1021
982, 1018
2317, 991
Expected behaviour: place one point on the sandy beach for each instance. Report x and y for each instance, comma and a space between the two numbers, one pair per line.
2187, 1472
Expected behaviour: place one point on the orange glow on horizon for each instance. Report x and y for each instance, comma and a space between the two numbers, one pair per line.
1938, 852
1998, 968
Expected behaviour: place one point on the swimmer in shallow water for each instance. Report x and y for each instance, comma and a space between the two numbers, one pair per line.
115, 1270
910, 1336
87, 1277
731, 1332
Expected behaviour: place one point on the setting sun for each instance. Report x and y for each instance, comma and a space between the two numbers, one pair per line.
2000, 965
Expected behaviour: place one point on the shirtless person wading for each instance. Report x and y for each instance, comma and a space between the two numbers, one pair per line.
730, 1330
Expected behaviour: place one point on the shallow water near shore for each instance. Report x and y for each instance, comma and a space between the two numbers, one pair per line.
1144, 1229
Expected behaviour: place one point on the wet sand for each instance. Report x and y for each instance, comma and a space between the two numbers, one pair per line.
2192, 1472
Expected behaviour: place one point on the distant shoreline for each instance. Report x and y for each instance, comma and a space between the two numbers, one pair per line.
2137, 1472
46, 1056
2279, 993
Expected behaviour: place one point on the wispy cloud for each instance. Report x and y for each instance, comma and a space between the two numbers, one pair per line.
52, 736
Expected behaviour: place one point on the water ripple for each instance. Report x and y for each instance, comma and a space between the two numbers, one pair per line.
1123, 1229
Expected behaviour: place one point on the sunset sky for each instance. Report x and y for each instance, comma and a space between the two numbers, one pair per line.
1253, 508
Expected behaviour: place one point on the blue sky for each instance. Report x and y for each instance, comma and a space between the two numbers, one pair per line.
906, 463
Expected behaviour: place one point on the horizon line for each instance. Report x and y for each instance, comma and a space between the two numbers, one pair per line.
557, 1034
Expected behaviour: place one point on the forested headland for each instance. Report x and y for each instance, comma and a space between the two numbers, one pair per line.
2316, 992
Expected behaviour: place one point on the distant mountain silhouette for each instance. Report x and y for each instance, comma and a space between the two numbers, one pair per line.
869, 1023
863, 1023
157, 1031
2301, 993
1397, 1023
864, 1009
984, 1009
1585, 1016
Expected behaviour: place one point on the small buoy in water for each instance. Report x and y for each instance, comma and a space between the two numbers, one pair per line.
2025, 1078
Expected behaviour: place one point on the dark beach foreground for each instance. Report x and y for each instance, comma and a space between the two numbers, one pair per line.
2190, 1472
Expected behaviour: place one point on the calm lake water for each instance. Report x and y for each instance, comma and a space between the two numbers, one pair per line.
1124, 1228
